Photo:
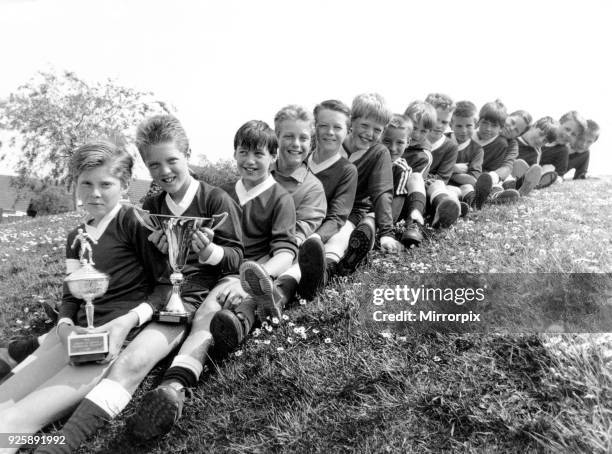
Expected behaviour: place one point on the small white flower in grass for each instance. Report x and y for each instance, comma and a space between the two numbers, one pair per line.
402, 338
506, 246
275, 321
285, 317
256, 332
327, 340
315, 331
302, 302
267, 326
542, 252
437, 359
238, 353
300, 331
386, 334
290, 340
280, 349
266, 342
290, 324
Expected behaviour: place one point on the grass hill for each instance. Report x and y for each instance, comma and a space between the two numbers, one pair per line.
326, 380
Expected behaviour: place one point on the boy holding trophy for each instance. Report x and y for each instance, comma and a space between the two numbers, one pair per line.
46, 386
163, 145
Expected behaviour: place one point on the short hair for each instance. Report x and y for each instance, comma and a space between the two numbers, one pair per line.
419, 111
526, 116
573, 115
440, 101
336, 106
549, 126
292, 112
399, 121
495, 112
255, 135
161, 129
465, 109
371, 105
99, 153
593, 127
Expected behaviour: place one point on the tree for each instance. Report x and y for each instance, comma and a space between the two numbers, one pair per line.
54, 113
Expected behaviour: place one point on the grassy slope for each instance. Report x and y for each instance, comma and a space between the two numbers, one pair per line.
324, 381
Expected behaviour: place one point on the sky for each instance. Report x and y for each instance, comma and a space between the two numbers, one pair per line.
224, 63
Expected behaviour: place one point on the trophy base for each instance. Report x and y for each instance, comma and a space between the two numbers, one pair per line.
86, 348
173, 318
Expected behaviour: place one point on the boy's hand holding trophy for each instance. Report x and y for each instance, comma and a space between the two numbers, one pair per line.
179, 233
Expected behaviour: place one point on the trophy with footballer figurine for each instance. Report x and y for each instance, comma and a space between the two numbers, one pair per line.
87, 283
178, 231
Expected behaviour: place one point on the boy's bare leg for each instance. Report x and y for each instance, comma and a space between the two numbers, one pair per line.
151, 345
108, 398
36, 369
52, 399
161, 408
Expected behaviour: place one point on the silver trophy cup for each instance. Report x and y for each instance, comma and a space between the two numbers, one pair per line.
87, 283
178, 231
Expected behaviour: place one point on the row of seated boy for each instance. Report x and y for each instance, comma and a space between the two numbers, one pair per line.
487, 157
309, 212
281, 205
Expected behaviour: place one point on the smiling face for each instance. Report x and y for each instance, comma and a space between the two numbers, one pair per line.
488, 129
294, 140
168, 168
365, 132
514, 127
585, 142
253, 165
463, 128
419, 135
99, 191
535, 137
568, 132
443, 119
331, 130
396, 140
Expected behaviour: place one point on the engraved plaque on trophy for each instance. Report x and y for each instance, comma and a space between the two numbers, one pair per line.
87, 283
178, 231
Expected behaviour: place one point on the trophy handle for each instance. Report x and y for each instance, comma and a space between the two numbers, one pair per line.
218, 220
146, 219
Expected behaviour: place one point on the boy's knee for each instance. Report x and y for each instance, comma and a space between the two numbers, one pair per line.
131, 365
